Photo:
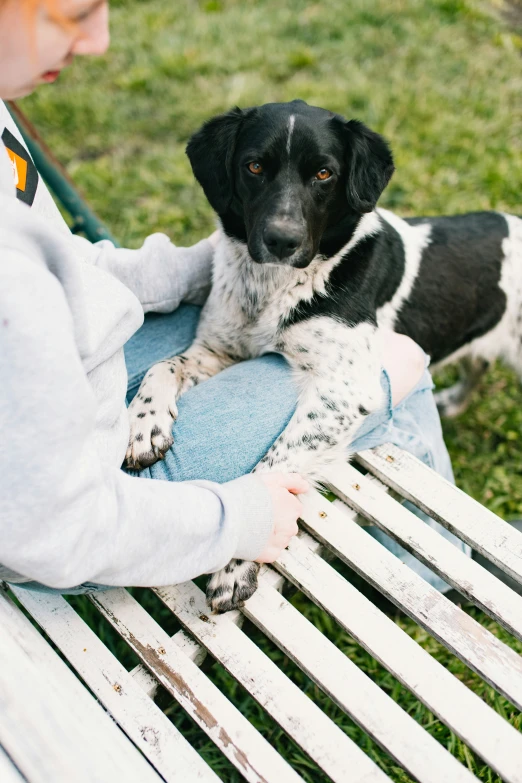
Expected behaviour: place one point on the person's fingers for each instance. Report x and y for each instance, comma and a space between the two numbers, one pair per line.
284, 535
294, 530
293, 482
273, 550
289, 509
297, 509
268, 556
271, 553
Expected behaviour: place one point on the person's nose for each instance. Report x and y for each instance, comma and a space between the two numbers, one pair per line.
94, 36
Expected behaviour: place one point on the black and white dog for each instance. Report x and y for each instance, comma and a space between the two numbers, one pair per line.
309, 268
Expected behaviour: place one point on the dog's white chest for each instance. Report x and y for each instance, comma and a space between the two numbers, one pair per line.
249, 302
244, 316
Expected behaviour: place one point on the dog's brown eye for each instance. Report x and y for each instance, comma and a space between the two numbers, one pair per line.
323, 174
255, 167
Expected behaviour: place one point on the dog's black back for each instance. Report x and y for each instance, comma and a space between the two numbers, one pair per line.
456, 296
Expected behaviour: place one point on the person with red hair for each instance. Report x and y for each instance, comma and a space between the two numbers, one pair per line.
72, 344
39, 38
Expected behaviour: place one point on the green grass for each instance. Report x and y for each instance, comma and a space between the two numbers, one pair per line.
441, 79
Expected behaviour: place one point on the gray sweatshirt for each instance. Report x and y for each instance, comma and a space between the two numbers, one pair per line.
68, 513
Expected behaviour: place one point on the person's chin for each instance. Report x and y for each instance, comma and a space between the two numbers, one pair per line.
19, 92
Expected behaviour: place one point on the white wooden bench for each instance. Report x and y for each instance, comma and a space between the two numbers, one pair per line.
53, 730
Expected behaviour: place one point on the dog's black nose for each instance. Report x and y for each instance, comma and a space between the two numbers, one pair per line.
282, 239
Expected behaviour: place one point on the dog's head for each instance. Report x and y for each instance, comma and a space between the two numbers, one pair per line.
289, 179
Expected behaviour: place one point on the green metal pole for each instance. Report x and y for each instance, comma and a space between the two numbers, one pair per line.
58, 180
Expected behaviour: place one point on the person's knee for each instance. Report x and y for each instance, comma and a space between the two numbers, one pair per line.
404, 362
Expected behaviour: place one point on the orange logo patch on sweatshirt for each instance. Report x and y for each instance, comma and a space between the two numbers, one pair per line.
25, 174
19, 169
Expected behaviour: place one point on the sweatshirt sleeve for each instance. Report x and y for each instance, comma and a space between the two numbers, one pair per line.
160, 274
67, 518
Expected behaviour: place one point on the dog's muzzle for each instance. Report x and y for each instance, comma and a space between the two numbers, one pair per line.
283, 238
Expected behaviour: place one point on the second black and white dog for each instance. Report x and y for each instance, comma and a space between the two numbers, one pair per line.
308, 267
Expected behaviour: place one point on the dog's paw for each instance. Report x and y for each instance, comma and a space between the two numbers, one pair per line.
150, 439
232, 586
151, 417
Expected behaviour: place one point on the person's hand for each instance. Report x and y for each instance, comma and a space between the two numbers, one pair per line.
283, 487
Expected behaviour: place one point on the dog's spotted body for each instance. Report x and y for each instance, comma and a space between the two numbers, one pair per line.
308, 267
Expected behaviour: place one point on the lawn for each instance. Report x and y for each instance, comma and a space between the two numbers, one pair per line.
441, 79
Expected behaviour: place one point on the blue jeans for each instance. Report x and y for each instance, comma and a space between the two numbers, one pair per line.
228, 423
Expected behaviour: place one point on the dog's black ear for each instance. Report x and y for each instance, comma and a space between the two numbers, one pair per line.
369, 165
210, 151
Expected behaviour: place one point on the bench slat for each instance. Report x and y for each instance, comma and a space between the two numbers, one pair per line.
478, 648
8, 772
319, 737
146, 680
355, 693
235, 736
195, 651
459, 513
439, 554
147, 726
479, 726
46, 714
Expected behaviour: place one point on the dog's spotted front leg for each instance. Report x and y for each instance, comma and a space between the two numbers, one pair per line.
153, 410
339, 369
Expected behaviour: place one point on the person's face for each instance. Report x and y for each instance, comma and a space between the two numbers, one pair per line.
34, 49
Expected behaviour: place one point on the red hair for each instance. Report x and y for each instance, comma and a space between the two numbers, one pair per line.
52, 8
30, 7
